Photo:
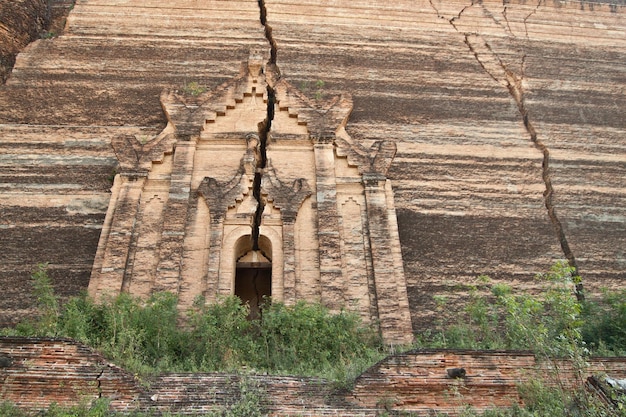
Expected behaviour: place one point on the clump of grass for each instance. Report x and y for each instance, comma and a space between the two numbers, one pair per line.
316, 89
193, 88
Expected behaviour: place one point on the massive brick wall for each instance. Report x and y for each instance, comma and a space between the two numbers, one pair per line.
68, 96
452, 83
491, 106
37, 372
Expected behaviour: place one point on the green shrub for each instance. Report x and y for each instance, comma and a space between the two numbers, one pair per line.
46, 320
604, 328
148, 336
553, 324
251, 402
220, 335
9, 410
307, 339
549, 323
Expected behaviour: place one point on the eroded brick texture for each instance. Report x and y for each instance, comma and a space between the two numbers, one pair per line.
223, 184
505, 118
36, 372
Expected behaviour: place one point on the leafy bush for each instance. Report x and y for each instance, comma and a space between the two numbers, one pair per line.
541, 400
604, 328
305, 339
47, 302
148, 336
552, 324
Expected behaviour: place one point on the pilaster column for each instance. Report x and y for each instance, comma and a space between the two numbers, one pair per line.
115, 243
328, 224
175, 218
391, 293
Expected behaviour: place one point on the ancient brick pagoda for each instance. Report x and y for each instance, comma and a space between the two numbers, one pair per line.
255, 190
138, 154
503, 119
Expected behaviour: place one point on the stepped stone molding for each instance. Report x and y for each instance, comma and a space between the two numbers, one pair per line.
186, 202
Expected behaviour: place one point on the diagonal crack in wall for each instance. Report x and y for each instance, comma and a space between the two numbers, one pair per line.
99, 382
264, 130
500, 72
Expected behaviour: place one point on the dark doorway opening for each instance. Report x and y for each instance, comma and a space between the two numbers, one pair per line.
253, 281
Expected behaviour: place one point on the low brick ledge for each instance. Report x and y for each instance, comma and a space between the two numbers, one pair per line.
35, 372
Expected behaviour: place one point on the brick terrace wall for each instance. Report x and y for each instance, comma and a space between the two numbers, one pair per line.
35, 372
418, 380
43, 371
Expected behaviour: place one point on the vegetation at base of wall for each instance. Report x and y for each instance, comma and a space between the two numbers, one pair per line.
551, 324
149, 336
554, 325
306, 339
542, 399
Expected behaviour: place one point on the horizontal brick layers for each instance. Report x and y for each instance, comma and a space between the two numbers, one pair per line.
22, 22
65, 100
468, 181
426, 74
41, 371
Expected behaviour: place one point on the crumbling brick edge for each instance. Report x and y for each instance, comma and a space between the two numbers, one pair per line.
36, 372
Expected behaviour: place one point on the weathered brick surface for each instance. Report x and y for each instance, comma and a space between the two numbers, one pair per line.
22, 21
456, 86
418, 380
467, 179
43, 371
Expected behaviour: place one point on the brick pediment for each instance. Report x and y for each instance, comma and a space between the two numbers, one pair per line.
255, 165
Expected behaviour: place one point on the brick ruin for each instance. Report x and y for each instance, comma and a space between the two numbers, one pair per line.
508, 144
402, 150
294, 209
34, 373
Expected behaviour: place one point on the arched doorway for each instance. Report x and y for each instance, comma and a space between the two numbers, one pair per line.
253, 273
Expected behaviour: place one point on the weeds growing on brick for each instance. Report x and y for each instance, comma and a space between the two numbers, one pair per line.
554, 325
146, 336
551, 324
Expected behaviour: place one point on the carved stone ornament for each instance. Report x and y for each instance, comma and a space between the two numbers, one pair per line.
220, 196
287, 198
137, 155
374, 160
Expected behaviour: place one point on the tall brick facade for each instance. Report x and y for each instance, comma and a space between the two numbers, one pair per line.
279, 202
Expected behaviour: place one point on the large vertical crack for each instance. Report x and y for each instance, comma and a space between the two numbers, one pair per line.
499, 71
517, 93
264, 130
